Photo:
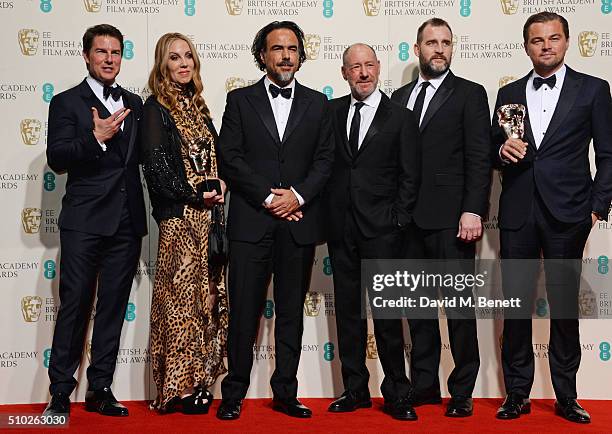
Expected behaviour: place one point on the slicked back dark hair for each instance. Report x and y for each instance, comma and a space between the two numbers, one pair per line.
544, 17
101, 30
259, 43
433, 22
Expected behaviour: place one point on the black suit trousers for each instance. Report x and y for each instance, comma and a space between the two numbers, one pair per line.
250, 268
543, 234
111, 261
346, 255
425, 333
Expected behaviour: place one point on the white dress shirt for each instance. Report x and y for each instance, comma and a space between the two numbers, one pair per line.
434, 84
367, 113
111, 105
281, 107
541, 104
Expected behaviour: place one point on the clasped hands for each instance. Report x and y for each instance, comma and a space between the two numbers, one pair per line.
284, 205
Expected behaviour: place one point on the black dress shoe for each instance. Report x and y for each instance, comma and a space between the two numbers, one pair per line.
59, 405
459, 406
401, 409
513, 407
291, 407
103, 401
196, 403
348, 402
229, 409
571, 410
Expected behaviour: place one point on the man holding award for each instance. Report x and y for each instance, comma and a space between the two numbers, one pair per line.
542, 127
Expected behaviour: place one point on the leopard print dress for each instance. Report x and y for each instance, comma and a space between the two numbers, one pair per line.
189, 306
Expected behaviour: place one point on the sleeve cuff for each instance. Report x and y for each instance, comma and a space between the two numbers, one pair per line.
299, 198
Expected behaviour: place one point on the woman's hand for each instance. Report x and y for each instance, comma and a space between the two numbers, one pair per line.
211, 198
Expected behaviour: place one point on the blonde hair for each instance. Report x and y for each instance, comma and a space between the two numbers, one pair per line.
160, 83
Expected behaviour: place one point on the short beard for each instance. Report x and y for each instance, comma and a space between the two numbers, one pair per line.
283, 77
428, 70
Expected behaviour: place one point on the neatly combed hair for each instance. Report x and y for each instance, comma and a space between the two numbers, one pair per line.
161, 85
259, 43
434, 22
101, 30
544, 17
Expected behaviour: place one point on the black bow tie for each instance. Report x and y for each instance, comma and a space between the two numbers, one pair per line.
115, 92
275, 91
539, 81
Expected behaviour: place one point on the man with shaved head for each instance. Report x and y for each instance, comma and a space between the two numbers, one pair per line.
369, 200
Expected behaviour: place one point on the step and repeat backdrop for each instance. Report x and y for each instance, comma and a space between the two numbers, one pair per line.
42, 57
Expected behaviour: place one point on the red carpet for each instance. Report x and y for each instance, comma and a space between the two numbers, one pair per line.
258, 417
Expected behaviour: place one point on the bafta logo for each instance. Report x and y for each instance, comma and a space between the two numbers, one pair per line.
28, 41
312, 304
31, 306
587, 302
509, 7
371, 7
30, 131
234, 83
234, 7
30, 219
312, 46
371, 350
587, 43
92, 5
505, 80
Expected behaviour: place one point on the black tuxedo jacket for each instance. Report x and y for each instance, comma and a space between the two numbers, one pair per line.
559, 170
254, 159
380, 183
456, 167
97, 180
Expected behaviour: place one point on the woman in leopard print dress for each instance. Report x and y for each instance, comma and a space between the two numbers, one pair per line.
189, 305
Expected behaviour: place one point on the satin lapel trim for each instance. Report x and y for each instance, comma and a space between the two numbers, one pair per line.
341, 116
521, 98
439, 98
407, 93
567, 98
129, 125
300, 103
259, 100
380, 118
92, 101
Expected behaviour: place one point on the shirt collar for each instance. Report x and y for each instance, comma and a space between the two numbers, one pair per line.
371, 101
97, 87
268, 82
560, 76
434, 82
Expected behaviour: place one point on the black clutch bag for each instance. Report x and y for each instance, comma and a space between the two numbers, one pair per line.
218, 245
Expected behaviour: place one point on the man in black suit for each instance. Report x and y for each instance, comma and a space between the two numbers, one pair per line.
369, 200
548, 204
102, 221
453, 117
276, 152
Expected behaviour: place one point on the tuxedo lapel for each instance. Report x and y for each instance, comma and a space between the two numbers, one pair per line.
129, 126
569, 92
260, 102
300, 103
92, 100
380, 118
406, 93
341, 119
438, 100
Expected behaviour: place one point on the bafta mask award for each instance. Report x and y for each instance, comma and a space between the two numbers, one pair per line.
199, 149
511, 118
